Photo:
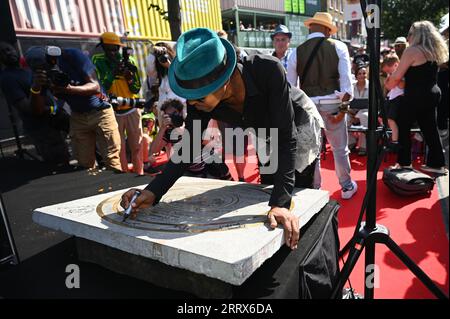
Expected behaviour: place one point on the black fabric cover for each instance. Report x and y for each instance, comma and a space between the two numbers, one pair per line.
307, 272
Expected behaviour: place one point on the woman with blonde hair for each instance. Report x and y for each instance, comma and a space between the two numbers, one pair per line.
419, 66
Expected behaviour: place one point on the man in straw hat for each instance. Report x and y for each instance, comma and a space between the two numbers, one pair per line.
400, 46
254, 94
323, 66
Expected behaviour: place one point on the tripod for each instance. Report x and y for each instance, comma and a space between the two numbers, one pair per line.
11, 255
20, 152
367, 234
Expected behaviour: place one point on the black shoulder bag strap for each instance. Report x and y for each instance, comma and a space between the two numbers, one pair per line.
310, 60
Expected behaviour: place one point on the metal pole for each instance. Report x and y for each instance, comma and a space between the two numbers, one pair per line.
238, 30
372, 140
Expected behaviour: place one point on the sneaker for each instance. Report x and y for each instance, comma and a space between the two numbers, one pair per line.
440, 170
348, 193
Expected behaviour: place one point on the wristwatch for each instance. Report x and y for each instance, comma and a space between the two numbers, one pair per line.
344, 107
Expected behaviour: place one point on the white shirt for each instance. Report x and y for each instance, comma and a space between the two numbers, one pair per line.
165, 92
395, 92
361, 95
284, 60
344, 67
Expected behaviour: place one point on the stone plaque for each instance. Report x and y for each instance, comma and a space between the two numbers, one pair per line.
215, 228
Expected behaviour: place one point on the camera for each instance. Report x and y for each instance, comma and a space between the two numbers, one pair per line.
125, 103
48, 61
177, 121
161, 54
58, 78
54, 74
125, 62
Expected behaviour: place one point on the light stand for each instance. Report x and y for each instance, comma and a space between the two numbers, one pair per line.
368, 234
20, 152
11, 256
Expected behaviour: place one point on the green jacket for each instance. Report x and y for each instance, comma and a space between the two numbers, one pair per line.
104, 69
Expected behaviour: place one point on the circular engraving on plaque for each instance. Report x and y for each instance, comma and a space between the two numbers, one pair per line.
205, 205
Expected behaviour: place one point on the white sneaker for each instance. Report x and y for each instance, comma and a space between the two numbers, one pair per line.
348, 193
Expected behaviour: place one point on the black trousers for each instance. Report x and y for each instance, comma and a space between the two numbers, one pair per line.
423, 110
442, 111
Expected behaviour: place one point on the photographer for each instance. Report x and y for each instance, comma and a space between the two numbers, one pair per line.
69, 75
172, 115
173, 121
46, 129
118, 74
158, 63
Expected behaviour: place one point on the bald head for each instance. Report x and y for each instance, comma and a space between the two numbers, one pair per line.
8, 54
313, 27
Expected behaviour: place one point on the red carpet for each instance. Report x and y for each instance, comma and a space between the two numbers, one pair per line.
415, 224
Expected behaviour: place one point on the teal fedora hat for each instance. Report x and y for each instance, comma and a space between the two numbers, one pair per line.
204, 62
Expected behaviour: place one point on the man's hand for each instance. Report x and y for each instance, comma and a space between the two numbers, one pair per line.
128, 75
336, 118
39, 80
166, 122
289, 222
59, 90
146, 199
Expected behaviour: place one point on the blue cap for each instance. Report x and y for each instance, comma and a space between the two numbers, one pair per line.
35, 57
281, 29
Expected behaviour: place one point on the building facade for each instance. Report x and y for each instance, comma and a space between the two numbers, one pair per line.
249, 23
336, 9
79, 24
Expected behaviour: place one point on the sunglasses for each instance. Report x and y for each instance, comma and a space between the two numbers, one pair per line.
200, 100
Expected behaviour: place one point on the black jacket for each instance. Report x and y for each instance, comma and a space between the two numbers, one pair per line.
269, 103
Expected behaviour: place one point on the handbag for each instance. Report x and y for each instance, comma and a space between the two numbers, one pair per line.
407, 181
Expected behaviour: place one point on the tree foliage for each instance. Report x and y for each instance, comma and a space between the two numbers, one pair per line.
173, 15
398, 15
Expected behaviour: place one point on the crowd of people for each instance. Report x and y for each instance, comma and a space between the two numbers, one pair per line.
314, 89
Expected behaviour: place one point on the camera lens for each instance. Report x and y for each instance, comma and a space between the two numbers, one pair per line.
177, 119
163, 58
